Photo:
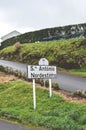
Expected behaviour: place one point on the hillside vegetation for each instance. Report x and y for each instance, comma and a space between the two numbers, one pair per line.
56, 33
69, 54
16, 103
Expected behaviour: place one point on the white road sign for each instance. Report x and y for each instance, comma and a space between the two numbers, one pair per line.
44, 72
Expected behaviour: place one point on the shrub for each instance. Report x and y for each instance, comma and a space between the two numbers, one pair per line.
55, 86
37, 80
80, 93
42, 82
17, 46
47, 83
1, 68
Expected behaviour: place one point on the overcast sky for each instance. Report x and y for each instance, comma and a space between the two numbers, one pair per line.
30, 15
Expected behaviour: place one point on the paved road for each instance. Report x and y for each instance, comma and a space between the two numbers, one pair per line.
70, 83
9, 126
4, 125
14, 65
66, 82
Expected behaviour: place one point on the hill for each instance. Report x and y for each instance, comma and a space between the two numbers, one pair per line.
67, 54
56, 33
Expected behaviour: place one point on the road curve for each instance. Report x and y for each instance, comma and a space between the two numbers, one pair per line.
65, 81
70, 82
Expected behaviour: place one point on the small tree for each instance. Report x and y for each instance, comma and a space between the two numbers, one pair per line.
17, 46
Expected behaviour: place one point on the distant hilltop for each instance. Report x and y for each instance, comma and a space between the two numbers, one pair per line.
56, 33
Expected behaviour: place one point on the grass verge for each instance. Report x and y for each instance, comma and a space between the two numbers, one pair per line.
79, 72
16, 103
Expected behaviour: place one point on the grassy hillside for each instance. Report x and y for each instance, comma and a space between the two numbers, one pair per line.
63, 53
16, 103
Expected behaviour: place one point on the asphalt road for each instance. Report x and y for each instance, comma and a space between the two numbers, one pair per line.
66, 82
70, 83
9, 126
4, 125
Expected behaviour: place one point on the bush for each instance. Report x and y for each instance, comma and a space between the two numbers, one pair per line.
55, 86
42, 82
17, 46
47, 83
1, 68
80, 93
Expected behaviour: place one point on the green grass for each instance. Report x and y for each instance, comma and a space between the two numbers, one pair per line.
69, 54
16, 103
81, 71
78, 72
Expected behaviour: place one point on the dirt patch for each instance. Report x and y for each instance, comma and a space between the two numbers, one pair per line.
70, 97
6, 78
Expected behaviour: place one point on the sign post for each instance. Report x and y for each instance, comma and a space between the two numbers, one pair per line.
42, 71
34, 94
50, 87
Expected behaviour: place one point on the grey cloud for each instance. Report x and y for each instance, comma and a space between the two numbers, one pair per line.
38, 14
